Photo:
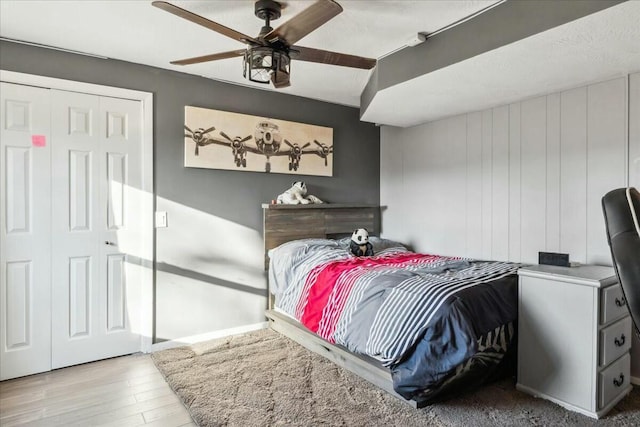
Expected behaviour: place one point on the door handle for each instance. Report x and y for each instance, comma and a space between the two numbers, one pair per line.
106, 242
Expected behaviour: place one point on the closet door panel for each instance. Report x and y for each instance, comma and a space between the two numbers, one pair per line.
25, 242
96, 227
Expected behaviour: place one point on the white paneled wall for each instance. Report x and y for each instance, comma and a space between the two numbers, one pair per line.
634, 130
573, 170
511, 181
533, 178
508, 182
634, 180
473, 188
606, 158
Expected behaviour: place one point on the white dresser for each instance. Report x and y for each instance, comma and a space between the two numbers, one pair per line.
574, 336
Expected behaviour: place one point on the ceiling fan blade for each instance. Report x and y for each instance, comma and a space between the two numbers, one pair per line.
200, 20
212, 57
305, 22
334, 58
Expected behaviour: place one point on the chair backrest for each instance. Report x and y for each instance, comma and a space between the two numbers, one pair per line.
621, 209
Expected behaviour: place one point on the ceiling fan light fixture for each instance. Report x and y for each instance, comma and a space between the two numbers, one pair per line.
267, 59
261, 62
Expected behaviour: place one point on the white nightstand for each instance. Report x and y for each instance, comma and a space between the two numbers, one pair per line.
574, 336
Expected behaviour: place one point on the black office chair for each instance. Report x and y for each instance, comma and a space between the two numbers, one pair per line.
621, 209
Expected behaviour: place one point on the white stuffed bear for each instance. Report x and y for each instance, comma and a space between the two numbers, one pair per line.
296, 195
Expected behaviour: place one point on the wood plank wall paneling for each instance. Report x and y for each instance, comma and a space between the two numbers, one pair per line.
487, 187
500, 185
474, 186
534, 176
415, 195
573, 174
451, 167
606, 157
514, 182
533, 187
634, 180
553, 173
391, 183
634, 130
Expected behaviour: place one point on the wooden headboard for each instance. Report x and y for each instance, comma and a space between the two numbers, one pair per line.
283, 223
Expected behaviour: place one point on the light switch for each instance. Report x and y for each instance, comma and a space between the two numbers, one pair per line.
161, 219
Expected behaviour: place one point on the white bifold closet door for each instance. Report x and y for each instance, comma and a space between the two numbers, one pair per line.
88, 227
25, 247
96, 176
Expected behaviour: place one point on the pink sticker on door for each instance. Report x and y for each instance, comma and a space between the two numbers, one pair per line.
38, 140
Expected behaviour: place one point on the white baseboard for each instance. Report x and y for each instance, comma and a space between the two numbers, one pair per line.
635, 380
179, 342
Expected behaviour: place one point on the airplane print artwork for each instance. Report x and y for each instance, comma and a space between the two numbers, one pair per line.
225, 140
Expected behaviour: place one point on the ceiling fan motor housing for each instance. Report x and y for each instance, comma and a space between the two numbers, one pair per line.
268, 10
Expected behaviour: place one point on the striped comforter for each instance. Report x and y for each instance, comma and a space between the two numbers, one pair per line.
383, 305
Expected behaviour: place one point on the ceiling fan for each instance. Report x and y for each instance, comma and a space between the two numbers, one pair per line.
267, 58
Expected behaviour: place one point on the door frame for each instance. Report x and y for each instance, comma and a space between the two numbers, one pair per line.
146, 98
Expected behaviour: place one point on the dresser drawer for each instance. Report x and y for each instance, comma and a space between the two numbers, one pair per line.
615, 340
613, 305
614, 380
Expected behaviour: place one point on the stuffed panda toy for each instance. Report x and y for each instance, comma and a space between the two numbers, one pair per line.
296, 195
359, 244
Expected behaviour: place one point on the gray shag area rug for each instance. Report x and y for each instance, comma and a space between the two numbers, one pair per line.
265, 379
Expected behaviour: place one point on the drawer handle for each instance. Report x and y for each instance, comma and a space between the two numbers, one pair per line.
621, 301
618, 381
620, 342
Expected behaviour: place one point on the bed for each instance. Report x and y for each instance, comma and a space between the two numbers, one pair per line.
420, 326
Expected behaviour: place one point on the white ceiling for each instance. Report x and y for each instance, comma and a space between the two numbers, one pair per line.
594, 48
135, 31
598, 46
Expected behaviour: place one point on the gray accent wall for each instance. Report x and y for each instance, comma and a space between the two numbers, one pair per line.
209, 260
507, 182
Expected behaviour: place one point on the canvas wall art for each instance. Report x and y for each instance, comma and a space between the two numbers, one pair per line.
223, 140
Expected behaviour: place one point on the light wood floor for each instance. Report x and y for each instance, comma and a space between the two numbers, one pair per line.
124, 391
